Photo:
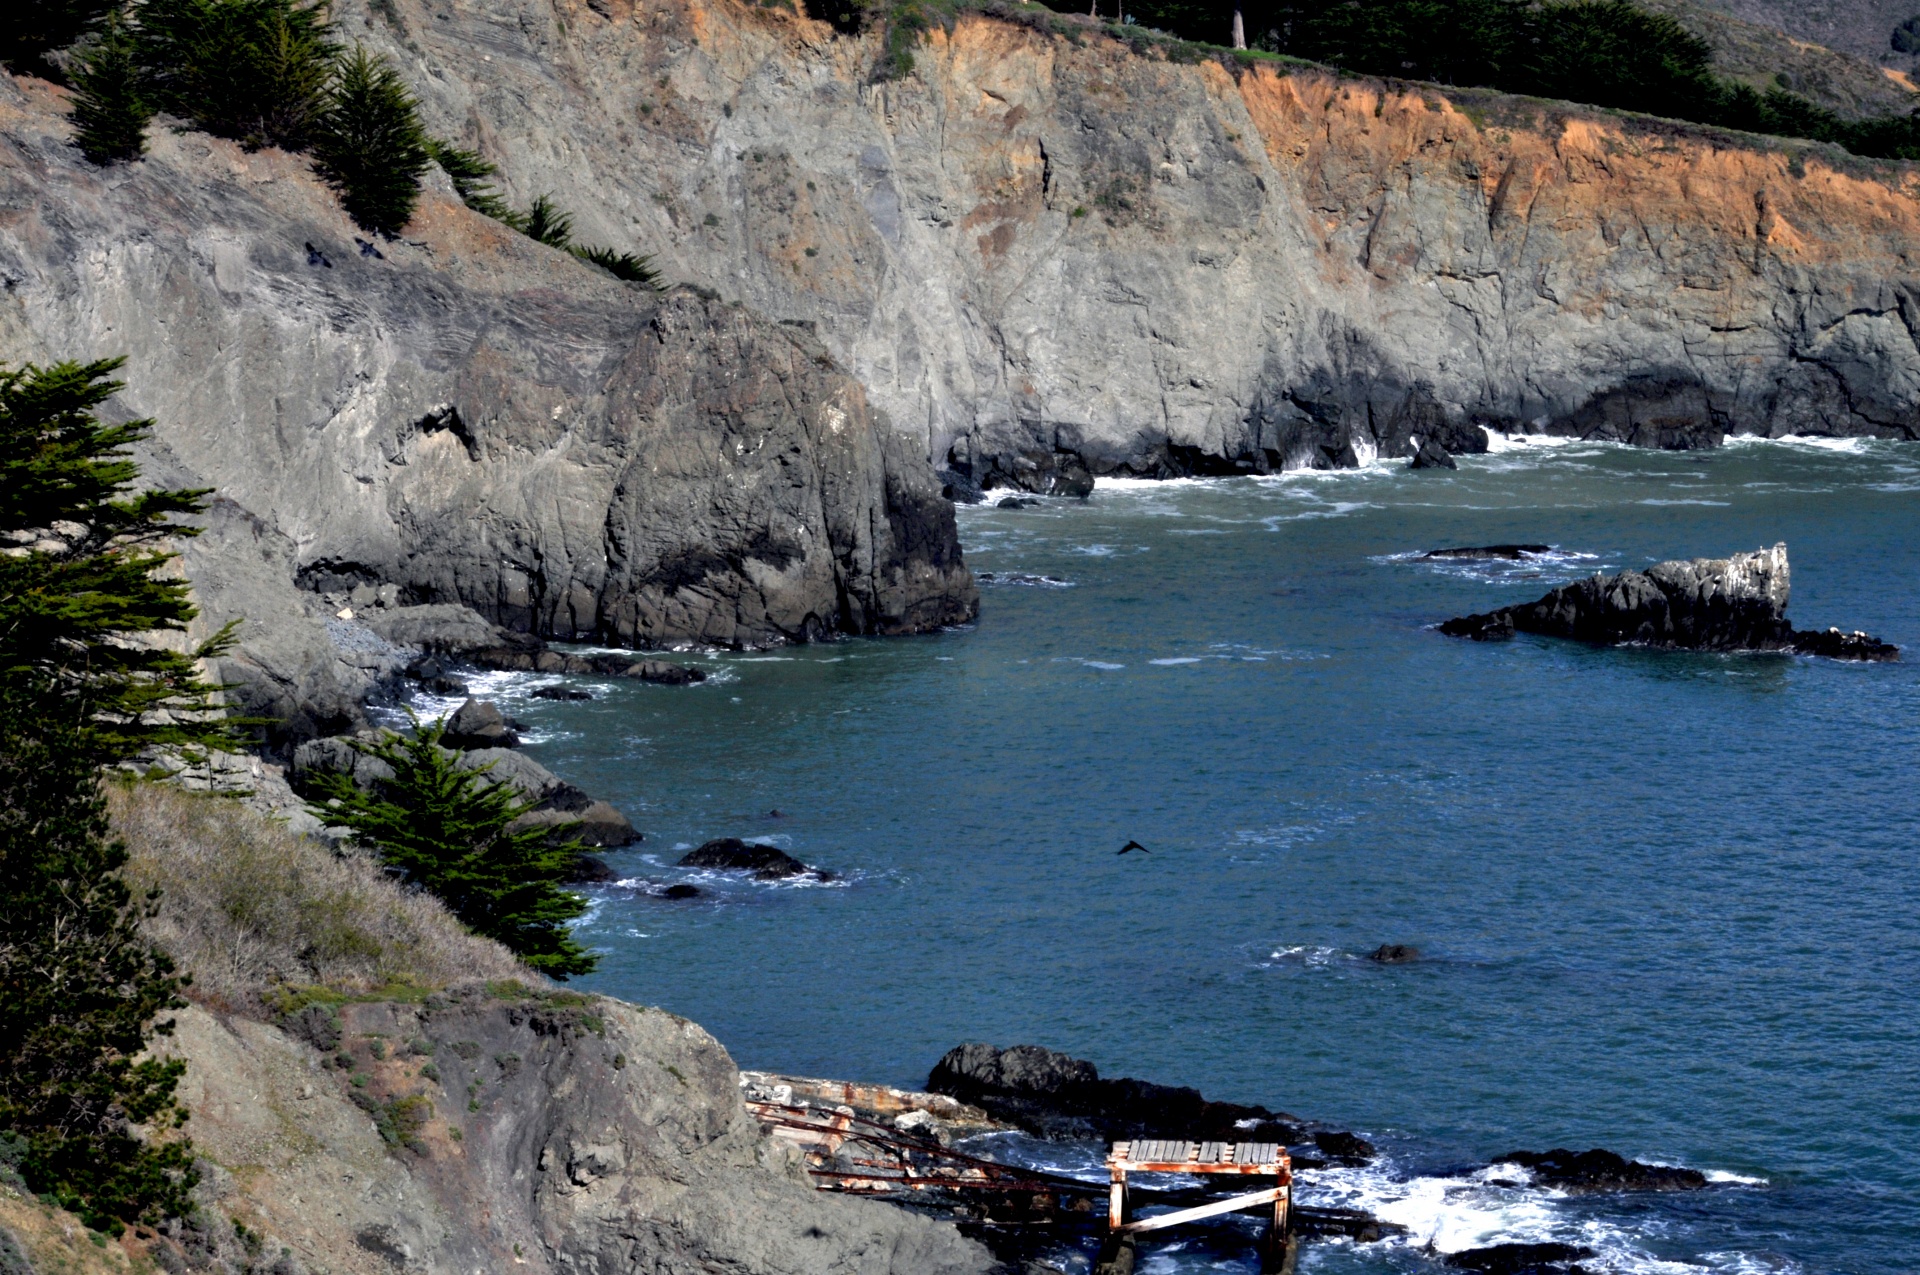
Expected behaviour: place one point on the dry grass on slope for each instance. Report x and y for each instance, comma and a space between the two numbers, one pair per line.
245, 906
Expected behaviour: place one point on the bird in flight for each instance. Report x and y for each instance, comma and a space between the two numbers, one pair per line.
1134, 845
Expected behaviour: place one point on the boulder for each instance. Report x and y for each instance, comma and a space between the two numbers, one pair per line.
1432, 456
1521, 1259
565, 694
1591, 1172
681, 890
1705, 604
1394, 954
591, 870
1344, 1148
479, 724
1058, 1096
659, 672
767, 863
1505, 553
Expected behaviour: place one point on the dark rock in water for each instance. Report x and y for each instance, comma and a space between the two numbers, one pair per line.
1706, 604
1432, 456
681, 890
768, 863
479, 724
1344, 1148
564, 693
1505, 553
1521, 1259
1057, 1096
656, 671
590, 869
1587, 1172
1354, 1224
1043, 473
1394, 954
1016, 502
436, 676
1836, 645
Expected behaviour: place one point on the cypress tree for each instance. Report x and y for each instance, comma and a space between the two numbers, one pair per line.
370, 144
253, 70
548, 224
81, 992
472, 179
31, 29
110, 113
448, 830
82, 545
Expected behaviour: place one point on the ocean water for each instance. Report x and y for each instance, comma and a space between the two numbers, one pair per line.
1669, 903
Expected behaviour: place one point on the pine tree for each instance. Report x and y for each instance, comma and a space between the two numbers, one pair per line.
547, 224
447, 829
472, 179
81, 992
77, 575
110, 113
623, 265
31, 29
370, 144
253, 70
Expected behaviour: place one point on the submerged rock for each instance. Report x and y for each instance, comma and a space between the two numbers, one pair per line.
1394, 954
1432, 456
1588, 1172
1504, 553
681, 890
661, 673
1521, 1259
479, 724
591, 869
1705, 604
768, 863
565, 694
1058, 1096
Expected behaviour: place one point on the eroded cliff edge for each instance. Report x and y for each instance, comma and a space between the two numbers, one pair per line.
464, 415
1042, 245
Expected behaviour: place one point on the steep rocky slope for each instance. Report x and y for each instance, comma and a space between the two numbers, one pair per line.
462, 418
1035, 243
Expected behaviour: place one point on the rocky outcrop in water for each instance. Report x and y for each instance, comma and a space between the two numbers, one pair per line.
462, 419
1047, 257
765, 862
1058, 1096
1705, 604
1588, 1172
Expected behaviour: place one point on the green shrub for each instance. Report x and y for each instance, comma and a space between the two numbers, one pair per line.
32, 29
370, 145
81, 992
546, 223
253, 70
472, 179
624, 265
447, 830
110, 112
83, 545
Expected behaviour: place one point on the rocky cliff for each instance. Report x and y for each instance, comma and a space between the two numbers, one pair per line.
1036, 244
459, 419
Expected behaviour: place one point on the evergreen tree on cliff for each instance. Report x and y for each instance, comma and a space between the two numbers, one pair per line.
110, 112
82, 994
83, 614
450, 830
32, 29
370, 144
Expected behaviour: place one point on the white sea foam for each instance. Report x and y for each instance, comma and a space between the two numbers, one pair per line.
1093, 551
1654, 501
1177, 659
1818, 442
1498, 443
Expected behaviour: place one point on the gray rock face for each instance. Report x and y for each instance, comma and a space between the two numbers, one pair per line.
1705, 604
556, 1134
1044, 257
479, 724
461, 418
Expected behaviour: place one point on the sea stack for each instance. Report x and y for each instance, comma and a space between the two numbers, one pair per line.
1737, 603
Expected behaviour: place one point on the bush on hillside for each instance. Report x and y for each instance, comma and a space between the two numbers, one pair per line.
84, 543
110, 112
81, 990
623, 265
448, 830
370, 144
247, 905
253, 70
31, 30
472, 179
545, 222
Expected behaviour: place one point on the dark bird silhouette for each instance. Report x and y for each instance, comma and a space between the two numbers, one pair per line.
1134, 845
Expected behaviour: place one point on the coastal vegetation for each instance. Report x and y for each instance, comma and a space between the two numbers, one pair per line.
450, 830
92, 672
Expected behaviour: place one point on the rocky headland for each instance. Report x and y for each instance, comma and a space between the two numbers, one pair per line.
1737, 603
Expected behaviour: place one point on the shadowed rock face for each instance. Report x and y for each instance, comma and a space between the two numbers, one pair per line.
1047, 259
1706, 604
459, 417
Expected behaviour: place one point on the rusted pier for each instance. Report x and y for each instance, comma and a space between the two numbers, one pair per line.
1205, 1160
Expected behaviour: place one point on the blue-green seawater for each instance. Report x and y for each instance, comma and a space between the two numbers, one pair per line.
1669, 903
